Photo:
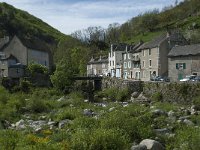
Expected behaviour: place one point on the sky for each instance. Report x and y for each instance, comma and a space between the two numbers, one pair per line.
71, 15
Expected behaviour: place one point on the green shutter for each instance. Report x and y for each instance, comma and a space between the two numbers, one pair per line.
177, 66
184, 65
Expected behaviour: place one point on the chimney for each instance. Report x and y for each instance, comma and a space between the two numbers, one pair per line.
168, 33
100, 57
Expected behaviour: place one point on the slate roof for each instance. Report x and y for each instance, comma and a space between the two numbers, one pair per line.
136, 47
175, 36
119, 47
35, 44
98, 61
185, 50
155, 42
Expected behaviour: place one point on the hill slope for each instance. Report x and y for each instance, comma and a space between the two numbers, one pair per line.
17, 22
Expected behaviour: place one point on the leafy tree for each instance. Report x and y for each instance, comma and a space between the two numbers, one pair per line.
62, 77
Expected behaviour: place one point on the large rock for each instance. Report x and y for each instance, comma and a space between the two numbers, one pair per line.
88, 112
152, 144
63, 123
20, 124
139, 147
135, 94
142, 97
159, 112
188, 122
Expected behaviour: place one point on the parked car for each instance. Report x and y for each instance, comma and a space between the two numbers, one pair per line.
197, 79
159, 78
188, 78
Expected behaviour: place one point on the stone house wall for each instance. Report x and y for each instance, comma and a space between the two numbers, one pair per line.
192, 66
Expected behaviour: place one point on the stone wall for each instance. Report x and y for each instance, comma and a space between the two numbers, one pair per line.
174, 91
133, 86
177, 92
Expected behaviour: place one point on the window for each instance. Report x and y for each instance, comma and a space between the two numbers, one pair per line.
125, 65
143, 63
113, 63
149, 63
149, 51
143, 53
180, 66
129, 56
110, 63
124, 56
129, 64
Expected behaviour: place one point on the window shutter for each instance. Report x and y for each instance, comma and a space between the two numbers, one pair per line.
184, 65
177, 66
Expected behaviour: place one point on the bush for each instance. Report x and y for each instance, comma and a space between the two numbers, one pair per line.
37, 105
187, 138
37, 68
99, 139
9, 139
104, 139
157, 97
25, 86
115, 94
196, 102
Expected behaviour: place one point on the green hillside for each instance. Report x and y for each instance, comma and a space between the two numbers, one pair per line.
184, 17
17, 22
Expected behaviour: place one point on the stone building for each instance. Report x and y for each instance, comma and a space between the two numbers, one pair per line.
97, 67
154, 60
184, 60
131, 61
21, 52
115, 60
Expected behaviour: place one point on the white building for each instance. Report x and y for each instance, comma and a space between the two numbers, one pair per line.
115, 59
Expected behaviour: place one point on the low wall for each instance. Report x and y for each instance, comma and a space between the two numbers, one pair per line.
133, 86
174, 91
178, 92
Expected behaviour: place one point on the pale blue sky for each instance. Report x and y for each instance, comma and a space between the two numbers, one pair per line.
70, 15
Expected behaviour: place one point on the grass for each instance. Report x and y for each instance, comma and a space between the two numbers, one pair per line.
115, 129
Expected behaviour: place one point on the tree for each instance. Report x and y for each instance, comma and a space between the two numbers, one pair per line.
62, 77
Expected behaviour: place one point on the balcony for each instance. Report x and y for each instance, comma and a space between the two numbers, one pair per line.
136, 58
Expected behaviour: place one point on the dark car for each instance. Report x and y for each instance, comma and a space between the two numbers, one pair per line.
197, 78
159, 78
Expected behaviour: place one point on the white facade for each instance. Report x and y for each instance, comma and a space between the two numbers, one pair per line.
115, 64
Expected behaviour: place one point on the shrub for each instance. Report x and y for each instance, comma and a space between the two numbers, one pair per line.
104, 139
99, 139
37, 105
115, 94
9, 139
25, 86
157, 97
122, 94
196, 102
37, 68
187, 138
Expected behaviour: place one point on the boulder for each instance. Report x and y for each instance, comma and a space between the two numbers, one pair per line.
111, 109
159, 112
88, 112
135, 94
171, 113
152, 144
20, 124
141, 97
61, 99
63, 123
188, 122
139, 147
